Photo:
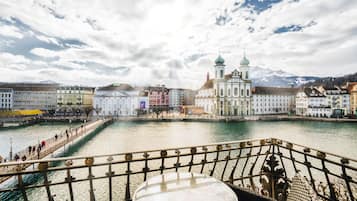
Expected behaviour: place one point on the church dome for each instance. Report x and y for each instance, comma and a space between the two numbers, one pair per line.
244, 61
219, 60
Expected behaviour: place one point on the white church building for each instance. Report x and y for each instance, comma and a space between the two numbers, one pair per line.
227, 94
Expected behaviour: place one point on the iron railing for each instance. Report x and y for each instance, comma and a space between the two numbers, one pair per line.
263, 166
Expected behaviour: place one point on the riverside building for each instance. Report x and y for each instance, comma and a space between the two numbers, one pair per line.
273, 100
227, 94
158, 98
119, 100
6, 98
31, 96
338, 99
311, 102
74, 100
352, 90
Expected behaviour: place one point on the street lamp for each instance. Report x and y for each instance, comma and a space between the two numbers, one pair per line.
10, 148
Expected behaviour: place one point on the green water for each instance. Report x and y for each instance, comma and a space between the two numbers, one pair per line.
339, 138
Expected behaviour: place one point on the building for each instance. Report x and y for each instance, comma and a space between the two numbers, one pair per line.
352, 90
6, 98
158, 98
311, 102
227, 95
74, 100
179, 98
189, 96
338, 99
205, 96
273, 100
32, 96
119, 100
176, 99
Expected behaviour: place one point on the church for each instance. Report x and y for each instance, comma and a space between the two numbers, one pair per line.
226, 94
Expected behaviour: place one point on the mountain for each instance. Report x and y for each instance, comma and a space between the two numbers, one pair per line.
331, 81
267, 77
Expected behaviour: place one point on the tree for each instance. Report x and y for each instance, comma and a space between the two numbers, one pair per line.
88, 110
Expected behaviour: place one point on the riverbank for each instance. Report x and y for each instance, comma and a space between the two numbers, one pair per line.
232, 119
188, 118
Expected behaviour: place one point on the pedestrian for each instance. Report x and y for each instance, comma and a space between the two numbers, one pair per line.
24, 158
17, 157
1, 159
33, 148
30, 149
56, 136
43, 143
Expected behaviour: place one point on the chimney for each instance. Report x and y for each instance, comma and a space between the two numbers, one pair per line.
207, 76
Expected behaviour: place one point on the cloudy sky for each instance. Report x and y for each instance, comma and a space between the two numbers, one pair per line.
172, 42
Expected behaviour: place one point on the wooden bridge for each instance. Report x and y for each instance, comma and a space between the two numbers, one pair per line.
51, 145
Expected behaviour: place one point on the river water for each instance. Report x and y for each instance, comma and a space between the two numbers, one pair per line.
339, 138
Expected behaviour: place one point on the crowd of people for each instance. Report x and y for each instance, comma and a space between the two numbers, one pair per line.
36, 149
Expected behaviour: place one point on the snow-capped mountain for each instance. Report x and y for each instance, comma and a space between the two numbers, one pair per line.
278, 78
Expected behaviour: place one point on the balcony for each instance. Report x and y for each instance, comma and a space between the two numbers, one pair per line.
261, 169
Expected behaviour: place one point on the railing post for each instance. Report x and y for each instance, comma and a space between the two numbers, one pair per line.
109, 174
69, 179
227, 158
89, 162
177, 164
146, 169
322, 156
347, 178
20, 182
204, 161
163, 155
193, 152
218, 150
128, 158
43, 167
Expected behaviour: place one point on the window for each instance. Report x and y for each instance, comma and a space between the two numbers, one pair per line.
221, 72
247, 92
221, 92
229, 92
241, 92
246, 75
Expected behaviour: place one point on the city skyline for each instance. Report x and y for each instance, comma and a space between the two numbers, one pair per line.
172, 42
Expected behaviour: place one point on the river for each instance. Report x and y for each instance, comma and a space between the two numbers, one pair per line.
339, 138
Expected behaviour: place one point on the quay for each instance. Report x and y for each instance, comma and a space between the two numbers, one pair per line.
51, 145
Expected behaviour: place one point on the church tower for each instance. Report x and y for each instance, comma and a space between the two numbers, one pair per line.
219, 68
244, 68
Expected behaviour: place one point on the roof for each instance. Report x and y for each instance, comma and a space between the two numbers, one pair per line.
275, 90
115, 87
219, 60
313, 92
30, 86
208, 84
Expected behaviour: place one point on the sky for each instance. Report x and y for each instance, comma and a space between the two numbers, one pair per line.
172, 42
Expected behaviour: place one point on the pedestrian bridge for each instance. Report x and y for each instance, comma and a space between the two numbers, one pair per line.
259, 169
47, 147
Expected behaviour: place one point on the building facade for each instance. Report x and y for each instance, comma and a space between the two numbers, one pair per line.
119, 100
338, 99
352, 90
33, 96
74, 100
273, 100
158, 98
227, 95
176, 99
311, 102
6, 98
205, 97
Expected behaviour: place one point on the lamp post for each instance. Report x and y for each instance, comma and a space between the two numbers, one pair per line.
10, 148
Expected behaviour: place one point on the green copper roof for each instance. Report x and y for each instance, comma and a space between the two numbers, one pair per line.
219, 60
244, 61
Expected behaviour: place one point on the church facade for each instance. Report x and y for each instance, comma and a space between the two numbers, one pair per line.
227, 94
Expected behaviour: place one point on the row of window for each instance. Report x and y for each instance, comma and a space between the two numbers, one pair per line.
6, 95
235, 92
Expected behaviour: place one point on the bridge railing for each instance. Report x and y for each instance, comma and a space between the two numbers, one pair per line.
268, 167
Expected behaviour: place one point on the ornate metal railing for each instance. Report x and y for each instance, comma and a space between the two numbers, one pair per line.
263, 166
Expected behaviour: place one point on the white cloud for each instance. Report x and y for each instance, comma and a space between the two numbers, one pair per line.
145, 36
